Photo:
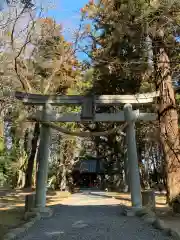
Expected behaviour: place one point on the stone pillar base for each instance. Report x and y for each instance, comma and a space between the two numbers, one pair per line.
148, 199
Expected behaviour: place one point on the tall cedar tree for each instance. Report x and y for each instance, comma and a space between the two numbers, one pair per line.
120, 57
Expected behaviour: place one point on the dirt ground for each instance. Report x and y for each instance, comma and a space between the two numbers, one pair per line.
163, 211
12, 206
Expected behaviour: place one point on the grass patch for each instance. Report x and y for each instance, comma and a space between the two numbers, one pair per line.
10, 219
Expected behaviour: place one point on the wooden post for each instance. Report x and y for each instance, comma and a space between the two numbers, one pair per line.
29, 202
42, 163
134, 178
148, 199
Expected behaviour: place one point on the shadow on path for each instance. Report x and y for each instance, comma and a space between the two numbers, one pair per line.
91, 222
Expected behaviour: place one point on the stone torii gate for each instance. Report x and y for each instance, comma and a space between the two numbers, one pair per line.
88, 114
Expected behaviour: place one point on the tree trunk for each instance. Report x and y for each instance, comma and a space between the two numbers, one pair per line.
1, 134
21, 164
28, 140
35, 165
29, 170
63, 184
21, 175
168, 118
126, 174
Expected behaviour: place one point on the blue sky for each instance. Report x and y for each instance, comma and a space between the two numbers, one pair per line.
67, 12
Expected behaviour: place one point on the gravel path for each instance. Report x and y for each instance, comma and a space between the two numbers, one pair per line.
89, 217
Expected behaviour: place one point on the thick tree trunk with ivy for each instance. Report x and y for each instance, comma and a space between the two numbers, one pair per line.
168, 118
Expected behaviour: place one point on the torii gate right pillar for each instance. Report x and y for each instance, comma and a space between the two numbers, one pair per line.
134, 177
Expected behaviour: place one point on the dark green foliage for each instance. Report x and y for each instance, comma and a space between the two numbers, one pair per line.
122, 36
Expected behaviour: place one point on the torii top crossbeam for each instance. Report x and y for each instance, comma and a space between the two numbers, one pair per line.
88, 104
37, 99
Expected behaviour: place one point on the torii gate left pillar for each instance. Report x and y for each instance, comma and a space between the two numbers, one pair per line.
42, 163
